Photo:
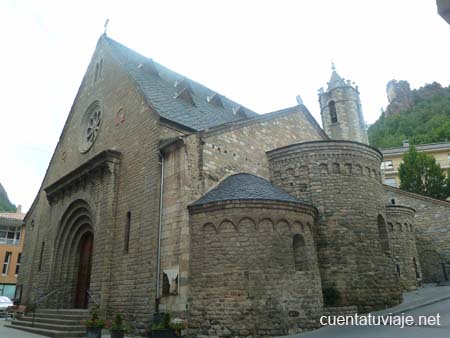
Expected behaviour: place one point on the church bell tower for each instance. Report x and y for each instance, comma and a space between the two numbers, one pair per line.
340, 108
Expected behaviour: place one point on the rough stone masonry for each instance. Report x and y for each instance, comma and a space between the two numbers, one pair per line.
163, 195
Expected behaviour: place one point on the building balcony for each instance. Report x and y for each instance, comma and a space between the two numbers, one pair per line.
9, 241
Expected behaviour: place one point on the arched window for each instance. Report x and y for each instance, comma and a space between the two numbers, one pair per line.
165, 285
300, 254
333, 113
126, 244
416, 269
97, 69
41, 256
336, 168
397, 268
383, 235
100, 68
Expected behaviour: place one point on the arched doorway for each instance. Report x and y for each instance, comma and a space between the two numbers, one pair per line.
84, 270
74, 245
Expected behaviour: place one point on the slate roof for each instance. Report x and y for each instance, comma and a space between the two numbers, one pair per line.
245, 187
158, 85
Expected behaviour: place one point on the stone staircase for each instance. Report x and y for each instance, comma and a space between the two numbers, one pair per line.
56, 323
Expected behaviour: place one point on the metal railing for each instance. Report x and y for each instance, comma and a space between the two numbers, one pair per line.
35, 303
89, 292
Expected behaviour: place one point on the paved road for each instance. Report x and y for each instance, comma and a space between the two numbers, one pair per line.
431, 331
11, 333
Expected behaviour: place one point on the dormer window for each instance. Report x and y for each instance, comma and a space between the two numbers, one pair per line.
149, 67
185, 95
239, 111
215, 99
184, 91
332, 110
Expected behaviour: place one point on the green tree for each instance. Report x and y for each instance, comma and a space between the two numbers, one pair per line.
419, 173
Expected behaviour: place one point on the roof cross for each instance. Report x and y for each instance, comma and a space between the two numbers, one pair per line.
106, 26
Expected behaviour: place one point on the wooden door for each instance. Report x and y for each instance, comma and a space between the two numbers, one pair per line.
84, 271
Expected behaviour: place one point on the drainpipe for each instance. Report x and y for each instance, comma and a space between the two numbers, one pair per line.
158, 256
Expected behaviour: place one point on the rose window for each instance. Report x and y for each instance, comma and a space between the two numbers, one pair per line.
90, 127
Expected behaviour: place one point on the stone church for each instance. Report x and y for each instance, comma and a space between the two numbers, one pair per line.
163, 195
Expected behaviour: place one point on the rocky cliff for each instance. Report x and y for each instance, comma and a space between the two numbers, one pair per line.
419, 115
400, 97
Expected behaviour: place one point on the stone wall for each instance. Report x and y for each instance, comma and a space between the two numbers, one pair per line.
432, 230
196, 163
342, 180
246, 277
242, 147
402, 243
182, 186
334, 311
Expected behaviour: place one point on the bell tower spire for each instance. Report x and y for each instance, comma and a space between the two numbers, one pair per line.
340, 108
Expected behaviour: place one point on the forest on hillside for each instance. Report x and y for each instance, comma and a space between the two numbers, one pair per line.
5, 204
426, 121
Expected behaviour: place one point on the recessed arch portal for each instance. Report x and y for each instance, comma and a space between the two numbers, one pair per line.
74, 244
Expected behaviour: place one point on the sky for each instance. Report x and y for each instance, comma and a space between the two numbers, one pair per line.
259, 53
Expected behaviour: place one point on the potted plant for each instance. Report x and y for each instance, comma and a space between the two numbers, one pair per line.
160, 327
178, 324
118, 327
163, 327
94, 325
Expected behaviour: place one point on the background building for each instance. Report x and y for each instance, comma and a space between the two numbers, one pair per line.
11, 242
444, 9
392, 157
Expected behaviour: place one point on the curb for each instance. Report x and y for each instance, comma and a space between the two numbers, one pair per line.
417, 306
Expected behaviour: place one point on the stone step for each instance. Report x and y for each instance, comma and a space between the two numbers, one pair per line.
49, 333
57, 321
79, 312
76, 317
48, 326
